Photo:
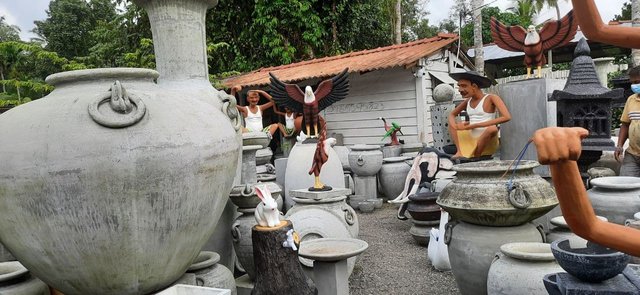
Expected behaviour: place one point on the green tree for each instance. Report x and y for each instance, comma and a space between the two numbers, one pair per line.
282, 32
67, 29
506, 18
525, 10
8, 32
625, 13
24, 66
540, 4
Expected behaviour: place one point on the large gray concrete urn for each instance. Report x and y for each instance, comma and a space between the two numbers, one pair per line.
113, 183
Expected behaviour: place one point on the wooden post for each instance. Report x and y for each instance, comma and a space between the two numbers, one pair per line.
278, 269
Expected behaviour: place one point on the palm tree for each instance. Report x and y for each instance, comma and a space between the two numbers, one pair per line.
540, 4
476, 7
635, 17
525, 10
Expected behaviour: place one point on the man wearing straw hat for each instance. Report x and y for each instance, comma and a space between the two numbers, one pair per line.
478, 136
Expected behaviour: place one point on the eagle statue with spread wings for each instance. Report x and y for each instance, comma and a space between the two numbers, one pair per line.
310, 103
534, 44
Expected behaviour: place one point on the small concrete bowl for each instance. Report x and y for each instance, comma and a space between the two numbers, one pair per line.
355, 200
367, 207
593, 263
377, 203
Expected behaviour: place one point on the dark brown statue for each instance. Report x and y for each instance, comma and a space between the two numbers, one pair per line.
310, 103
533, 43
320, 157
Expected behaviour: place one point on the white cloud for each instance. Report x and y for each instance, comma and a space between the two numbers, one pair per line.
439, 9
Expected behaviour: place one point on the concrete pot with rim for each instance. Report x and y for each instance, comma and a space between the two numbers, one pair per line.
617, 198
480, 194
16, 280
365, 160
472, 248
209, 273
392, 176
115, 182
519, 269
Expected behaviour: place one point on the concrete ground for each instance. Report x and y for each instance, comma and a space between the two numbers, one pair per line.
394, 262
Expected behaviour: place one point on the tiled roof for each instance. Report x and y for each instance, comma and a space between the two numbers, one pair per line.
406, 54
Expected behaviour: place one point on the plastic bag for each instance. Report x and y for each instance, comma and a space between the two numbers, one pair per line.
437, 250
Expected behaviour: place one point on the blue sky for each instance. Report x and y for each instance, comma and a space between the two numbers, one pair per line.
23, 12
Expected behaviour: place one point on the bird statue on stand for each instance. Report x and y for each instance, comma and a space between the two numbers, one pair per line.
310, 103
534, 44
392, 131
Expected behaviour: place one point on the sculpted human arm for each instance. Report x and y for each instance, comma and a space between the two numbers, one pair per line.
560, 148
268, 96
592, 26
456, 112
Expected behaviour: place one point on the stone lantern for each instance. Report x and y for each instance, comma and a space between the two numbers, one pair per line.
584, 102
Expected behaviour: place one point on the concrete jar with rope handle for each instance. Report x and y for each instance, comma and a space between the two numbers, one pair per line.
494, 193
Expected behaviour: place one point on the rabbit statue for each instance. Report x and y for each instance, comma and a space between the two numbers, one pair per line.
267, 213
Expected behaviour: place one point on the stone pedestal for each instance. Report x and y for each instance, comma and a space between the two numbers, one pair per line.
281, 169
420, 231
366, 186
249, 174
439, 120
527, 101
390, 151
330, 268
323, 215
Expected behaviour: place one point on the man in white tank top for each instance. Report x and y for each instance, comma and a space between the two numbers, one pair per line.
485, 112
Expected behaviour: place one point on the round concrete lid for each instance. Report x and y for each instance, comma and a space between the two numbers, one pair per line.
617, 182
559, 221
364, 147
331, 249
395, 159
528, 251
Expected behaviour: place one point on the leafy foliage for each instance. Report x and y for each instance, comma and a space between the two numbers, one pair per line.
625, 14
506, 18
8, 32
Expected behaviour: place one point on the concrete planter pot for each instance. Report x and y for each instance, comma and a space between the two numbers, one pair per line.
209, 273
161, 180
118, 191
616, 198
422, 207
16, 280
390, 151
472, 248
242, 242
479, 194
519, 269
263, 156
392, 176
365, 160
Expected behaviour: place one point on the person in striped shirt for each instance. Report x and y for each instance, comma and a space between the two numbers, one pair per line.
630, 129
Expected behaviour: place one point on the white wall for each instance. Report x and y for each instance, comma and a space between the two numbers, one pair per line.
389, 93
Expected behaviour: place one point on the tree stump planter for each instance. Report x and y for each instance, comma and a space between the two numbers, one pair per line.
278, 269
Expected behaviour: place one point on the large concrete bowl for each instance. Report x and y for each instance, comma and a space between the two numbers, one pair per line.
593, 263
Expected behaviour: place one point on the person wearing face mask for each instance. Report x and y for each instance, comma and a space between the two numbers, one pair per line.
630, 129
485, 112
